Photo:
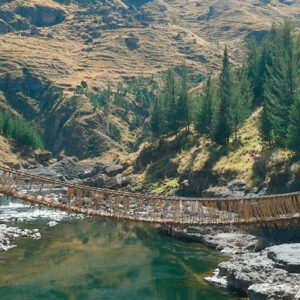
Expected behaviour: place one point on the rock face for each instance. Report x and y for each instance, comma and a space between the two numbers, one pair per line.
244, 270
44, 156
41, 15
257, 269
101, 174
132, 42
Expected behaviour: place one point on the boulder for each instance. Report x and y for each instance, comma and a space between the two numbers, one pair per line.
44, 156
117, 182
113, 170
264, 291
67, 168
89, 182
40, 15
100, 180
132, 42
286, 256
17, 166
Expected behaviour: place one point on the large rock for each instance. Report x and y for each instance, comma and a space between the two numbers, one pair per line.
100, 180
264, 291
117, 181
39, 15
41, 157
286, 256
132, 42
112, 169
67, 168
102, 174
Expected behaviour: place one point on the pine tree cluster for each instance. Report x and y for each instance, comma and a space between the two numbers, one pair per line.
274, 68
269, 78
171, 109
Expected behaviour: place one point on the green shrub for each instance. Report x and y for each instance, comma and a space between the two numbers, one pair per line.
114, 132
19, 130
92, 145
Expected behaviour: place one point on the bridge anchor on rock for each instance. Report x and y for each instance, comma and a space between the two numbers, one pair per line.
147, 207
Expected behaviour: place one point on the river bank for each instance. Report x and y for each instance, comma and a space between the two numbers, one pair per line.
265, 265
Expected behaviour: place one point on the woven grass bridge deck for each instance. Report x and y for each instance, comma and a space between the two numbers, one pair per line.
92, 201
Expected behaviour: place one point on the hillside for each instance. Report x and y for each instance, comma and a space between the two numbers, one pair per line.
57, 57
193, 166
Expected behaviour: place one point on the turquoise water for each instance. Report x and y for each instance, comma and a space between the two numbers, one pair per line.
97, 259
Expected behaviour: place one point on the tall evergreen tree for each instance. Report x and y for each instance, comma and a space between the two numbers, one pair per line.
223, 128
204, 112
254, 60
241, 103
183, 114
281, 83
156, 118
265, 126
172, 124
293, 134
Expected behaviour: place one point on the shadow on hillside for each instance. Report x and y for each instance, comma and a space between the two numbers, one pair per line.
160, 162
136, 3
204, 177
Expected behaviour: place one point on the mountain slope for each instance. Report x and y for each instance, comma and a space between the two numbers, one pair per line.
56, 57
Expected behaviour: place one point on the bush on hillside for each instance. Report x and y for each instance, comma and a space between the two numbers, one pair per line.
19, 130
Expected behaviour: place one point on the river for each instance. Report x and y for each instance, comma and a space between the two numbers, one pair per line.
85, 258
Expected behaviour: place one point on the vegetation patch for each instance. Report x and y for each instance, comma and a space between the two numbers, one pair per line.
20, 131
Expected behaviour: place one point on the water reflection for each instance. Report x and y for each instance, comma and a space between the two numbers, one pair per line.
96, 259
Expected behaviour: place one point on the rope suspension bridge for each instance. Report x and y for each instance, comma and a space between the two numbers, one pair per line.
92, 201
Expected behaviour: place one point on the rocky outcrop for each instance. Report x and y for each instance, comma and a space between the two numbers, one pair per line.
101, 174
42, 156
39, 15
264, 291
286, 257
132, 42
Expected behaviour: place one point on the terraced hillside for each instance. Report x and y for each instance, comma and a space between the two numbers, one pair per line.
58, 57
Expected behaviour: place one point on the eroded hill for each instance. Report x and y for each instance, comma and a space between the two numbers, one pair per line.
58, 57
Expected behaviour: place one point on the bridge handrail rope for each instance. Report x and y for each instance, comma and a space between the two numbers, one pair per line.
67, 184
148, 207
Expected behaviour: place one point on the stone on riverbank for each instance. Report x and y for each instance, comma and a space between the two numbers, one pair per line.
264, 291
286, 257
9, 234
